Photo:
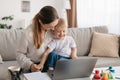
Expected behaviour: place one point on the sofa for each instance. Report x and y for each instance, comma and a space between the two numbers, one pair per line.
82, 36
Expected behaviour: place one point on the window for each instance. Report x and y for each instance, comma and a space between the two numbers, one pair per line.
99, 12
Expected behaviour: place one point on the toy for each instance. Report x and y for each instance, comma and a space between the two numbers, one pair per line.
105, 76
101, 74
97, 75
111, 70
110, 73
110, 76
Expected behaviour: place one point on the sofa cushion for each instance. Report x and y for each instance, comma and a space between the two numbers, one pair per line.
107, 61
83, 37
8, 43
104, 45
104, 61
1, 61
119, 45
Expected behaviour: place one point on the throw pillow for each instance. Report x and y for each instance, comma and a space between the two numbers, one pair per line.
119, 45
1, 61
104, 45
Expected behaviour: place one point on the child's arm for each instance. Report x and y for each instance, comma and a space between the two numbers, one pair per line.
73, 53
44, 58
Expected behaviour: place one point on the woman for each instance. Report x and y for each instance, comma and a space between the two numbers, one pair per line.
36, 38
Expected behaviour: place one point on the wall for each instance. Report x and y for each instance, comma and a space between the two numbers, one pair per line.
99, 12
22, 19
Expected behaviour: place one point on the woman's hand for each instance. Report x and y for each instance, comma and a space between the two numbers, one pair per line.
40, 67
34, 68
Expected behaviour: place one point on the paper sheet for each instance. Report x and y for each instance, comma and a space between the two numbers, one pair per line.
37, 76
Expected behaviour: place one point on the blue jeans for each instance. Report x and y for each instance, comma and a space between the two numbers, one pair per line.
51, 60
53, 57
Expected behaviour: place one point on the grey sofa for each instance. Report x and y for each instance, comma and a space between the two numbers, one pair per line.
82, 36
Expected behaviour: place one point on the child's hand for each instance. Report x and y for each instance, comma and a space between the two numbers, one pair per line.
74, 57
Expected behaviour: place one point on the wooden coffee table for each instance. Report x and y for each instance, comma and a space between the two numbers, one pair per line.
45, 76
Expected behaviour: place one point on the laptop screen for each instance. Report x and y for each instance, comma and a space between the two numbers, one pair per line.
77, 68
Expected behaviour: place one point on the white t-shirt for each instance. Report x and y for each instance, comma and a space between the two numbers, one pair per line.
62, 47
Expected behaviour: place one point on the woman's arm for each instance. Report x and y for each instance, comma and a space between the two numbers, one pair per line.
73, 53
21, 53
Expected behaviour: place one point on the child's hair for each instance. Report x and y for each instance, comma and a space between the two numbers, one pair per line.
61, 23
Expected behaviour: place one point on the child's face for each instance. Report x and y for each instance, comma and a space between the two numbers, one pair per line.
60, 32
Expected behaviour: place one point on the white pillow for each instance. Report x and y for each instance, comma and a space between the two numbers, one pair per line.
1, 61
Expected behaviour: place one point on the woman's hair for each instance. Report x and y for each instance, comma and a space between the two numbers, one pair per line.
46, 15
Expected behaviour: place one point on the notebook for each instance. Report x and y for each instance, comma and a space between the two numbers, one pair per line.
70, 69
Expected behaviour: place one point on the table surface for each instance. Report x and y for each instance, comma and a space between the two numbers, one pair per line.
44, 76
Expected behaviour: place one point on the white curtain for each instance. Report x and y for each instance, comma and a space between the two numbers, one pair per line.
99, 12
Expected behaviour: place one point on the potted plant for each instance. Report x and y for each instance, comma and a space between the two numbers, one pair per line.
6, 20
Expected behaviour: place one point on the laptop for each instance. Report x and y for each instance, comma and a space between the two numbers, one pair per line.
70, 69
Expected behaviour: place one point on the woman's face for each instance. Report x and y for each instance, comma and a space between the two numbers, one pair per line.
50, 26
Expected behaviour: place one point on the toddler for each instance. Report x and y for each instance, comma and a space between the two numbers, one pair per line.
61, 47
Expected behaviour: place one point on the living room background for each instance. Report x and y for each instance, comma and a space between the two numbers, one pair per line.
14, 7
89, 12
99, 12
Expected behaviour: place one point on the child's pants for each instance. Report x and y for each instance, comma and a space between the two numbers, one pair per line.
51, 60
53, 57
